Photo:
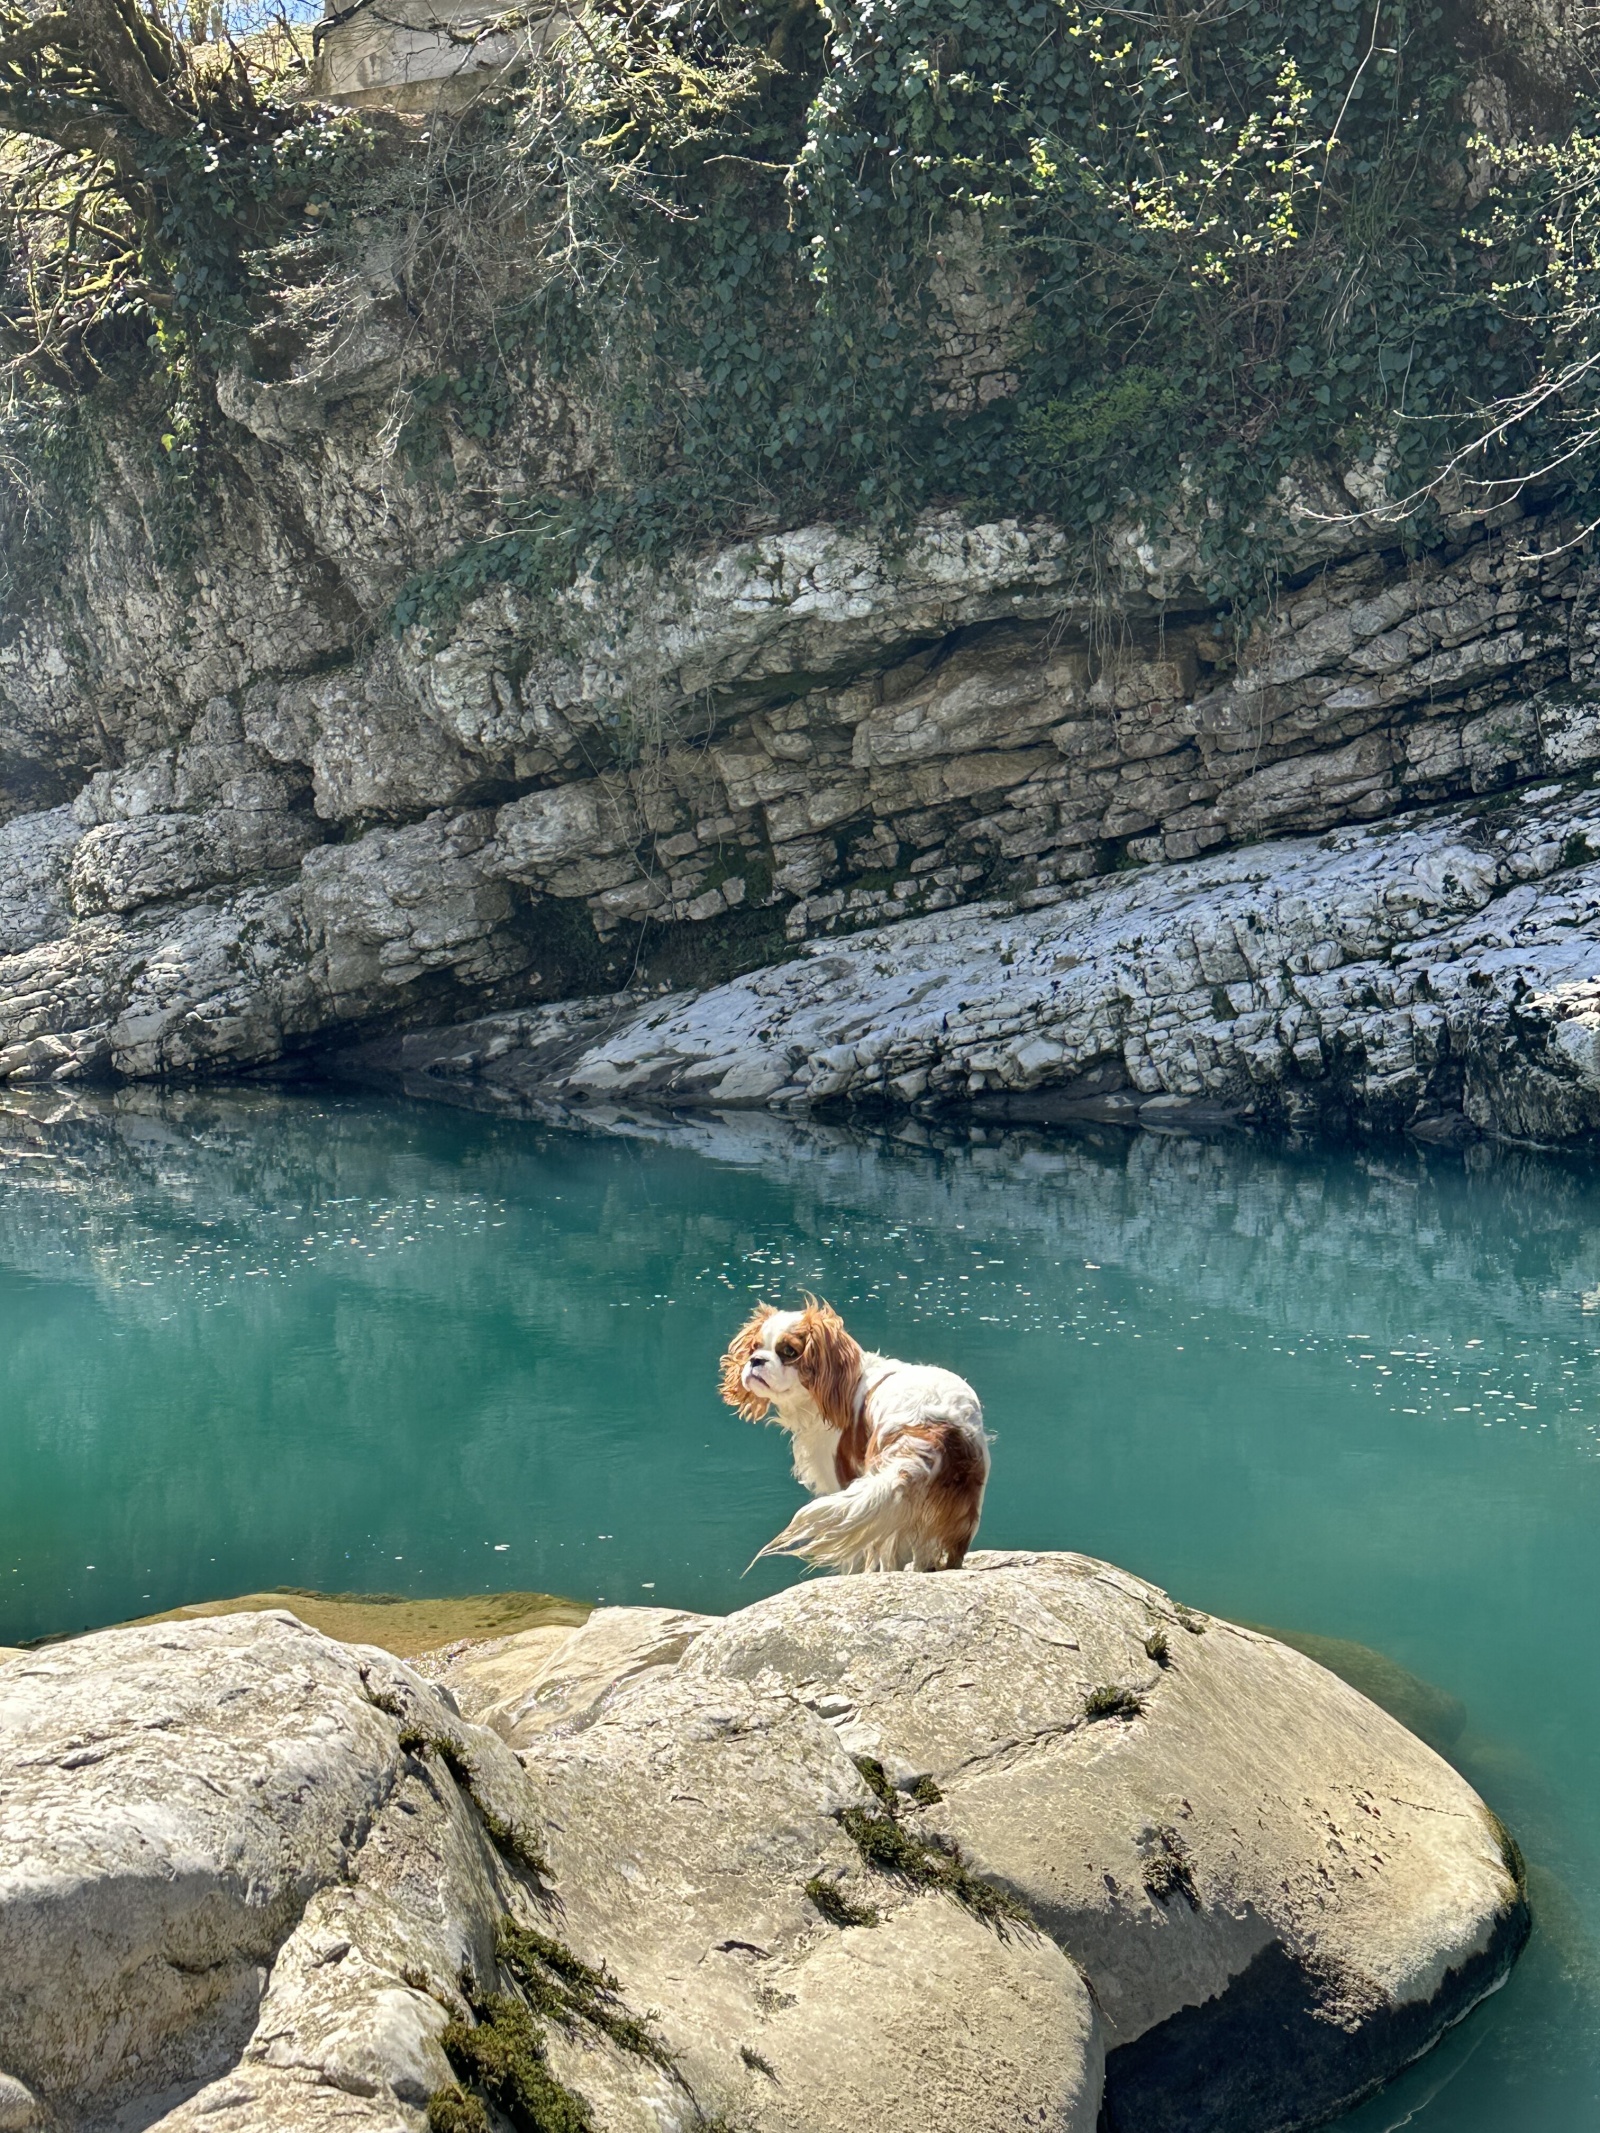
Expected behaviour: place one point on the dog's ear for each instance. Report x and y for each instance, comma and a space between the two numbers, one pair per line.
830, 1363
752, 1405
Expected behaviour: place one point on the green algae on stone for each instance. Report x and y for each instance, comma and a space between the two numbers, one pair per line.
837, 1906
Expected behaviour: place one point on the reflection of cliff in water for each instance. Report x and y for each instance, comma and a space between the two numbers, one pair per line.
1233, 1221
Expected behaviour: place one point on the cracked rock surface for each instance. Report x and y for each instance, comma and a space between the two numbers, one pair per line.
1439, 973
1278, 1895
1019, 850
226, 1888
242, 1886
241, 1883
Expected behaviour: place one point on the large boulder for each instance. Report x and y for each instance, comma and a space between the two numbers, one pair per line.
1025, 1846
1278, 1895
238, 1886
195, 1826
254, 1879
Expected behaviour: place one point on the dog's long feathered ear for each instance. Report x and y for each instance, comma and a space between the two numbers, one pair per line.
830, 1363
752, 1405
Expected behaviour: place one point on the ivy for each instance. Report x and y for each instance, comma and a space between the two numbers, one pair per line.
1210, 249
1020, 256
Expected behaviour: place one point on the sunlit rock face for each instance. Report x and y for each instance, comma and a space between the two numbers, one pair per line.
251, 814
1437, 974
1027, 1844
811, 738
1275, 1893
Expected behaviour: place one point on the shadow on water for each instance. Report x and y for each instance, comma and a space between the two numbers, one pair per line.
255, 1340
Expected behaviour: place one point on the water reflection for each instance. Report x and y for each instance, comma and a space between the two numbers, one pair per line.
343, 1342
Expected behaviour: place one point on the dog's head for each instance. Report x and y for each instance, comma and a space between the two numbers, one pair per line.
777, 1354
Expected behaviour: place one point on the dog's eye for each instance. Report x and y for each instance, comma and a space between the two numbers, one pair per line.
787, 1351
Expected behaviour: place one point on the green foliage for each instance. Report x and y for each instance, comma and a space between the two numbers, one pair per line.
1018, 255
1511, 1855
876, 1779
561, 1987
508, 1838
1207, 248
889, 1847
451, 2111
502, 2054
836, 1906
1102, 421
223, 204
1113, 1702
1167, 1872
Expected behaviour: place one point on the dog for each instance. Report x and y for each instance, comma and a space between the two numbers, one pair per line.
894, 1454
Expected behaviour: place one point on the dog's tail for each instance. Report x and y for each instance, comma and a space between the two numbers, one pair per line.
871, 1525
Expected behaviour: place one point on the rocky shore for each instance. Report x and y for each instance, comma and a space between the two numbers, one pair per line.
967, 849
1028, 1845
1438, 975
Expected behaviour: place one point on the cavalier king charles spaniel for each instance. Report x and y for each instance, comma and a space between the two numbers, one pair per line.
894, 1454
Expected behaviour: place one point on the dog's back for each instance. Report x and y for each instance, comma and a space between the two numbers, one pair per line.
910, 1473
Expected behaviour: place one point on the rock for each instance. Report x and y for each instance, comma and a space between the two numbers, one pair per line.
1426, 971
420, 55
304, 829
211, 984
185, 819
1433, 1714
35, 854
558, 1679
685, 1829
237, 1886
1368, 1906
1278, 1896
405, 903
20, 2109
348, 748
371, 750
217, 1863
247, 1876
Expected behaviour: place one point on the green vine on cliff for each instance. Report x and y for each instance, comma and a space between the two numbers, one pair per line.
1021, 254
1017, 256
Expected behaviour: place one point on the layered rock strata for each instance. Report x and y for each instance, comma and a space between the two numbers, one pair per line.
1439, 974
677, 775
1026, 1845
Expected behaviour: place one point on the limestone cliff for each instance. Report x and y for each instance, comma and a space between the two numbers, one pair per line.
271, 791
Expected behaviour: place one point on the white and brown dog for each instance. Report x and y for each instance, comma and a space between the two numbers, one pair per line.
894, 1453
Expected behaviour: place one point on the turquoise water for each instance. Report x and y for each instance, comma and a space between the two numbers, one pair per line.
252, 1340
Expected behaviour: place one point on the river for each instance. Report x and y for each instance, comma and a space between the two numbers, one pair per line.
255, 1339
